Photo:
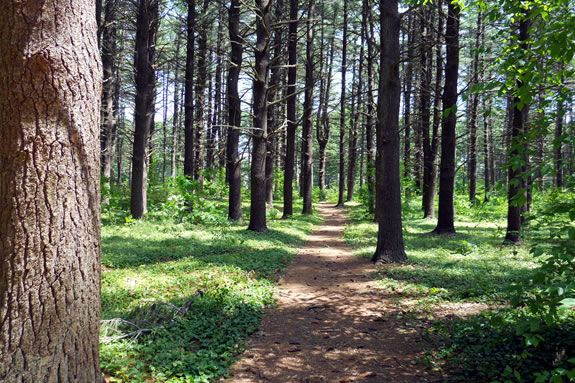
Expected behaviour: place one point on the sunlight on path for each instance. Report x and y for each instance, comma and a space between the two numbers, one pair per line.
331, 325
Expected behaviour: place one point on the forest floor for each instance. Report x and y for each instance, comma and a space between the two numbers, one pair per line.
332, 323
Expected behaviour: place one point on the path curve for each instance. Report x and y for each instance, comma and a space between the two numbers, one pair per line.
331, 325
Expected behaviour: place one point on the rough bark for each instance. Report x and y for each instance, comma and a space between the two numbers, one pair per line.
407, 100
274, 95
390, 246
426, 59
369, 123
307, 131
176, 116
341, 184
472, 122
145, 79
260, 105
200, 91
517, 149
50, 92
109, 113
189, 153
445, 221
289, 165
233, 160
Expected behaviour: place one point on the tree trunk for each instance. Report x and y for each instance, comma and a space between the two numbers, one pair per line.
486, 149
407, 99
109, 114
200, 91
189, 153
49, 192
260, 105
428, 185
354, 120
517, 148
369, 125
445, 224
274, 94
289, 165
145, 79
176, 115
474, 104
388, 193
558, 143
233, 160
307, 132
341, 185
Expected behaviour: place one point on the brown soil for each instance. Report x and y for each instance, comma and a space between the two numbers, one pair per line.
331, 324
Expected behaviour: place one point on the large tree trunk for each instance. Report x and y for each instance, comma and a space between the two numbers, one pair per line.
307, 132
341, 185
260, 106
388, 191
49, 192
445, 224
289, 165
189, 153
517, 149
109, 113
233, 161
145, 79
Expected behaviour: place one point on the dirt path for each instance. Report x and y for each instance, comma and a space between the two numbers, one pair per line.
331, 325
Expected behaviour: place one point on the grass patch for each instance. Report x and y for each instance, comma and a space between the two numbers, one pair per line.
222, 275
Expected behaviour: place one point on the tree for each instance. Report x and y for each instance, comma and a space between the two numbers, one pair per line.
341, 187
473, 106
307, 132
517, 153
200, 89
260, 106
49, 192
109, 111
289, 164
233, 161
148, 18
445, 224
390, 246
189, 153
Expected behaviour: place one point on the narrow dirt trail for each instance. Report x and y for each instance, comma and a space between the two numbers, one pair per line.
331, 325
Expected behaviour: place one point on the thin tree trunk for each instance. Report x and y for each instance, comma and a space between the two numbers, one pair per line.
369, 125
200, 91
445, 221
474, 104
189, 152
145, 79
260, 105
176, 116
49, 192
233, 160
307, 131
109, 114
390, 248
407, 99
341, 187
558, 143
355, 119
289, 166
